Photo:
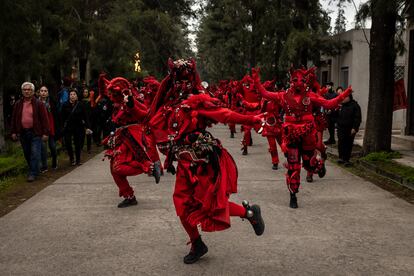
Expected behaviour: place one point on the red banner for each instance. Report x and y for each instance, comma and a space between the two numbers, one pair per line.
400, 98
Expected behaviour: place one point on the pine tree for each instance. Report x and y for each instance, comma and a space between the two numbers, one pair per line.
340, 21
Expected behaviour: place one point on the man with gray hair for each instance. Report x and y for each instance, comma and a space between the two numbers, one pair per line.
30, 123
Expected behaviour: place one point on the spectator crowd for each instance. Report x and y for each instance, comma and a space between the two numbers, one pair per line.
44, 122
76, 115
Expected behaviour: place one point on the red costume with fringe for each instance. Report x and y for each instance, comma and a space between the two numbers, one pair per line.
151, 86
233, 100
131, 149
251, 96
272, 129
206, 174
320, 117
299, 138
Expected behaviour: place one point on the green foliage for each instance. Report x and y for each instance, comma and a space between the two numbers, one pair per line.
405, 172
41, 40
384, 160
223, 40
235, 35
12, 159
402, 9
382, 156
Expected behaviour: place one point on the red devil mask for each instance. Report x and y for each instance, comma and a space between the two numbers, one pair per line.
298, 81
118, 88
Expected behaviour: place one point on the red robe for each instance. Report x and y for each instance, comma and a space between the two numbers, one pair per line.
206, 173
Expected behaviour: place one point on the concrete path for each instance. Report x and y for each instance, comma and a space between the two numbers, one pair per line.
344, 226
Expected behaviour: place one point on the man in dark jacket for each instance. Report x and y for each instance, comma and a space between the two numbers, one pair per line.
30, 122
102, 116
348, 121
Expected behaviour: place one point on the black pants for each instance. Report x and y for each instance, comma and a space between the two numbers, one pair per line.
88, 142
101, 131
331, 127
78, 136
345, 143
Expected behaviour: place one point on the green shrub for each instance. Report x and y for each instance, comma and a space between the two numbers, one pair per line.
12, 158
382, 156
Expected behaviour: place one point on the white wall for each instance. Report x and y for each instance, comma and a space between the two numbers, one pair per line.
357, 61
359, 75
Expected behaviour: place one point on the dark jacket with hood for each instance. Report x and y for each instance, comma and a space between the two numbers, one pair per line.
349, 115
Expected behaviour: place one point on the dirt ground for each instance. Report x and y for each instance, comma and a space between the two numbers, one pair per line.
21, 190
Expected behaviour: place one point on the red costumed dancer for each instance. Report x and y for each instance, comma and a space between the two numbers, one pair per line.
299, 133
272, 128
250, 95
150, 89
206, 174
129, 149
319, 116
233, 101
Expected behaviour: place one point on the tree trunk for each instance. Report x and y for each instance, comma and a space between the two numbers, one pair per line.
381, 77
254, 43
2, 130
82, 68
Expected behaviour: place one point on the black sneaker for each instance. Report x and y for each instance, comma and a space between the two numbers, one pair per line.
254, 216
198, 249
55, 165
340, 161
31, 178
244, 151
329, 142
293, 201
275, 166
128, 202
309, 178
348, 164
322, 171
232, 135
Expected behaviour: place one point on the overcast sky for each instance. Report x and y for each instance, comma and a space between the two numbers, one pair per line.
349, 12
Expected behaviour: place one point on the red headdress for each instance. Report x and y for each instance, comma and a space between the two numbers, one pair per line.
311, 80
269, 85
151, 84
120, 87
182, 81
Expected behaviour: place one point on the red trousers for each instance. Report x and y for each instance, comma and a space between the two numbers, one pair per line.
235, 210
232, 127
247, 136
320, 146
296, 152
273, 147
123, 165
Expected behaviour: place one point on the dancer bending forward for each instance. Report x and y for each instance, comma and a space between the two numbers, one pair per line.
206, 174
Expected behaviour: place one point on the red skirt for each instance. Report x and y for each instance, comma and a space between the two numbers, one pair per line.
202, 199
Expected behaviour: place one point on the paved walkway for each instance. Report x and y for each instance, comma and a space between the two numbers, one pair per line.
344, 226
